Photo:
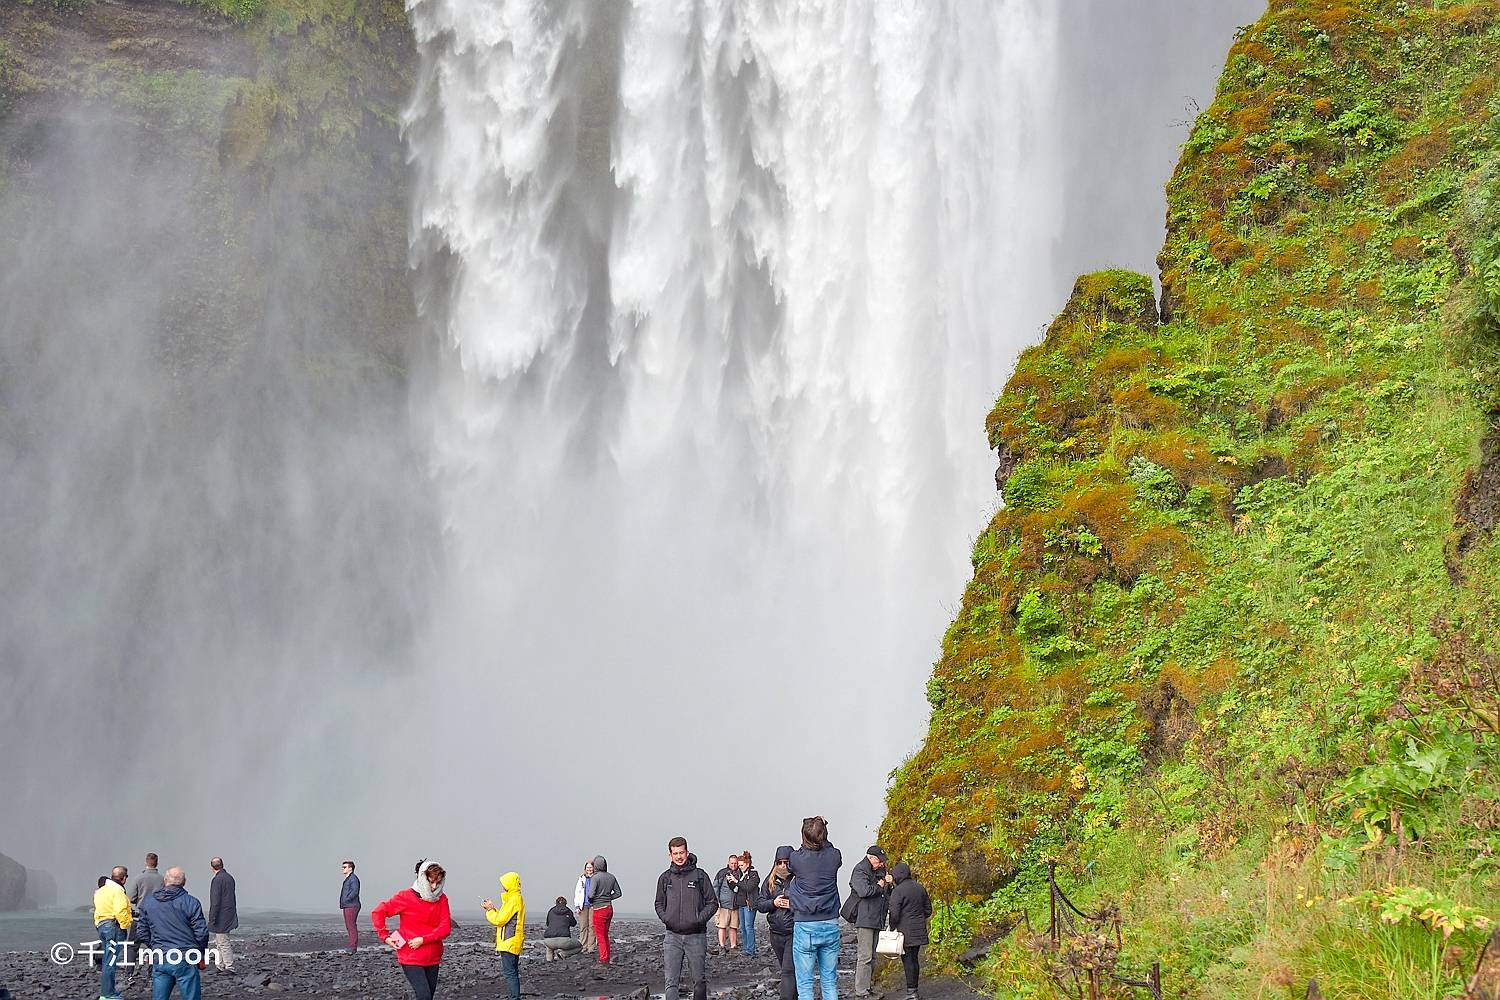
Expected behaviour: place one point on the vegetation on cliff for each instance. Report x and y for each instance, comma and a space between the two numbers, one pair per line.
1229, 656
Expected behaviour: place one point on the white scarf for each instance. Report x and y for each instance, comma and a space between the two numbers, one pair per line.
426, 891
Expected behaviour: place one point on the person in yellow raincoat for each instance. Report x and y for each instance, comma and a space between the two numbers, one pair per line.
509, 919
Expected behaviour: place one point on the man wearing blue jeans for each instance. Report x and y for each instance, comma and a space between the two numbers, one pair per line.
814, 897
111, 920
174, 928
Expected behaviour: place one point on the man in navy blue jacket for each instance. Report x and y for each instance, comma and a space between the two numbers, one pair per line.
349, 904
173, 927
814, 897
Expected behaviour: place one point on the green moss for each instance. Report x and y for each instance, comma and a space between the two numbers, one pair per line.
1224, 584
240, 10
1124, 294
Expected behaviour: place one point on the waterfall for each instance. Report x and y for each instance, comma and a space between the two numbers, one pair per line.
724, 290
661, 532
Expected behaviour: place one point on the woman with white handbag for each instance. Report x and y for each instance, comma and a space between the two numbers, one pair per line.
910, 909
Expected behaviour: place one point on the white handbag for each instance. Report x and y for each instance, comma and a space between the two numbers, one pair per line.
890, 943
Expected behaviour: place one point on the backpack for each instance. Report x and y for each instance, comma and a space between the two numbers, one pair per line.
850, 910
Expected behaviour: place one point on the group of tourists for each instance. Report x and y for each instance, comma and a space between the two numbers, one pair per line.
737, 888
800, 898
157, 925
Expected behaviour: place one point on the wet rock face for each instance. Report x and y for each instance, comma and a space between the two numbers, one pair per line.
12, 885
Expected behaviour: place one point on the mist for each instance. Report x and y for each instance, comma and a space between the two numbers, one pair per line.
651, 521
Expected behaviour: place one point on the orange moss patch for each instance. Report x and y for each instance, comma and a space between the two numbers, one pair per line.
1117, 363
1467, 19
1477, 94
1224, 245
1290, 258
1251, 120
1407, 248
1187, 457
1138, 407
1328, 182
1420, 153
1159, 548
1253, 50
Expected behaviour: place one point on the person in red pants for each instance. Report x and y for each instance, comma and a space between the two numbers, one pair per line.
349, 903
604, 889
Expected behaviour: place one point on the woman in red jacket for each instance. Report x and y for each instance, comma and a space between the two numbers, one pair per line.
424, 923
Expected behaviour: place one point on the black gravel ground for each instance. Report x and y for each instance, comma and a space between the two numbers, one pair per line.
310, 964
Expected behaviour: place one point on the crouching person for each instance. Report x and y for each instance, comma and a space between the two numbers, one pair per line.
558, 938
173, 927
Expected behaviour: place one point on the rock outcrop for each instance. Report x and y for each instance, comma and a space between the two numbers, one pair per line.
12, 885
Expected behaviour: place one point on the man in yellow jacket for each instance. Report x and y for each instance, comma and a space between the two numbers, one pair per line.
111, 920
509, 919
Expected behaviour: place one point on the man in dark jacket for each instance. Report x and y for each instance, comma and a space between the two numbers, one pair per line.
869, 882
911, 909
814, 896
173, 928
349, 905
557, 937
223, 913
685, 903
778, 910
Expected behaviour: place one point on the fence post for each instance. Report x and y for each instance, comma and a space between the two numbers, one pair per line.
1052, 900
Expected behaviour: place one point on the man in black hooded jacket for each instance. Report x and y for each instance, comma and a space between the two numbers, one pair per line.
685, 903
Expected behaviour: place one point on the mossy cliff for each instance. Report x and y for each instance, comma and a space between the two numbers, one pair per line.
276, 121
1229, 656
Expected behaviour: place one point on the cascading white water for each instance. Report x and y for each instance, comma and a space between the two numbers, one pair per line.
725, 289
717, 295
